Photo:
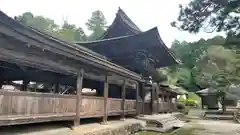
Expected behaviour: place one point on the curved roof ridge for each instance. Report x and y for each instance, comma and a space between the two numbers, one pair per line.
127, 20
122, 19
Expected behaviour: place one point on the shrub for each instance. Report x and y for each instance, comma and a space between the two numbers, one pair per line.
180, 106
192, 103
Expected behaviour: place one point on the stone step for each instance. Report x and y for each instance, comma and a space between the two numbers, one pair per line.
166, 127
168, 119
176, 123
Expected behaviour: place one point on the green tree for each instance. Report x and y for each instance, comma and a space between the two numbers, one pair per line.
216, 70
190, 55
38, 22
97, 25
67, 31
71, 33
215, 15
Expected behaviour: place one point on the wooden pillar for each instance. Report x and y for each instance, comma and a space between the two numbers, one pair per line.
164, 101
168, 102
24, 85
202, 103
157, 95
163, 94
1, 83
105, 115
123, 99
137, 98
79, 96
56, 87
143, 100
152, 99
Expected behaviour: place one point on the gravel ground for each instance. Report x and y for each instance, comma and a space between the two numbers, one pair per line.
211, 127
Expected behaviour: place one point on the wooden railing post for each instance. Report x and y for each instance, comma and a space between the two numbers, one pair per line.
105, 115
79, 96
137, 99
123, 99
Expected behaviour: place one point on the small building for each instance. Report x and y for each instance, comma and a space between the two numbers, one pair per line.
210, 97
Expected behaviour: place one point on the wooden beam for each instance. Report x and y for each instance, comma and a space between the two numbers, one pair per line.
105, 115
79, 97
123, 99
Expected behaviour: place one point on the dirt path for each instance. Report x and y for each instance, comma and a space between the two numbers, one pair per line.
211, 127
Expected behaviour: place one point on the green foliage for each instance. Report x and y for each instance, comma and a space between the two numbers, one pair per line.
194, 97
181, 99
205, 63
216, 68
180, 106
38, 22
216, 15
97, 24
69, 32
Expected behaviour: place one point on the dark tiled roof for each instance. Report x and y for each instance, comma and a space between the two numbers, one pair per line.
149, 40
121, 26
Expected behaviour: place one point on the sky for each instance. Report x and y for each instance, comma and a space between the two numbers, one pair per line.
145, 13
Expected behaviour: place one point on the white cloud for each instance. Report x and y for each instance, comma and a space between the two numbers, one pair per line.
146, 14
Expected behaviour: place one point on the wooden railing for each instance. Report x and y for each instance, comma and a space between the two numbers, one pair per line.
114, 105
91, 106
31, 103
130, 105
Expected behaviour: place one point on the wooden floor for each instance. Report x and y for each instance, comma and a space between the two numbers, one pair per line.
25, 119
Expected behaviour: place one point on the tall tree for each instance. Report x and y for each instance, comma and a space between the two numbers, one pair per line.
216, 15
97, 24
